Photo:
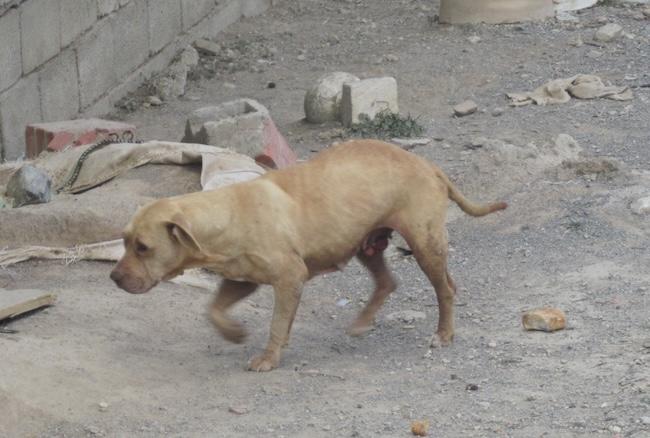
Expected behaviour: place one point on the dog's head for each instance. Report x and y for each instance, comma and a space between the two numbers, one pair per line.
158, 244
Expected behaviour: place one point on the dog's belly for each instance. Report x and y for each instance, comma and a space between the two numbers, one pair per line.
373, 243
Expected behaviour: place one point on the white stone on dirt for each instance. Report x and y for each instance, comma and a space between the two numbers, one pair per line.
323, 101
465, 108
29, 185
608, 32
368, 97
474, 39
641, 206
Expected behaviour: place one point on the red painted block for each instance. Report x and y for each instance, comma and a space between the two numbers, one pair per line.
276, 153
56, 136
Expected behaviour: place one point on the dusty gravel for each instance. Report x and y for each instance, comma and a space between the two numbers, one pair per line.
105, 363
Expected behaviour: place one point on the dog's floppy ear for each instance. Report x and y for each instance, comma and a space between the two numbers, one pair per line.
180, 230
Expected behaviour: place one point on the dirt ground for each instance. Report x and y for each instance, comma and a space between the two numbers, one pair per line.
102, 362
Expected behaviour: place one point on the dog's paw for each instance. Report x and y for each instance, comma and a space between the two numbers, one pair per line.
264, 362
230, 329
358, 328
440, 340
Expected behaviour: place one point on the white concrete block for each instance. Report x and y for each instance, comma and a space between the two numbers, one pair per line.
19, 106
40, 32
369, 97
77, 16
164, 22
59, 87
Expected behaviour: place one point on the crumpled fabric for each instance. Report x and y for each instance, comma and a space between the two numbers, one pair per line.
220, 166
561, 90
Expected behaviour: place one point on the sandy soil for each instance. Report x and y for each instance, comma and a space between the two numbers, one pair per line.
105, 363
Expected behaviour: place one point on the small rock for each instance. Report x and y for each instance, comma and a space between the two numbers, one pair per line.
492, 344
342, 302
577, 42
496, 112
154, 100
406, 316
641, 206
465, 108
103, 406
327, 427
474, 39
238, 410
29, 185
270, 85
410, 143
645, 420
301, 57
207, 47
419, 428
391, 58
471, 387
608, 32
546, 319
614, 428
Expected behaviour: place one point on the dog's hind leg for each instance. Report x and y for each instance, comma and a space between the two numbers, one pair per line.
229, 293
427, 238
384, 285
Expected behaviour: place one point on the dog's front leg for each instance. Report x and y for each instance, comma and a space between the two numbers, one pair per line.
229, 293
287, 296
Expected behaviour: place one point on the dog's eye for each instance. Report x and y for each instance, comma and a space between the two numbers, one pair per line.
141, 248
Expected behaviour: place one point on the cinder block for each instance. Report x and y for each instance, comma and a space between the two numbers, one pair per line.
105, 7
369, 97
131, 37
19, 106
76, 17
56, 136
59, 87
40, 32
195, 10
164, 22
10, 61
244, 126
96, 63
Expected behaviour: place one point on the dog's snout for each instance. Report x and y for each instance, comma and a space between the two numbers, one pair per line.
116, 275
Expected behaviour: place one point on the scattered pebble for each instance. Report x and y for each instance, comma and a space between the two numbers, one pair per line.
547, 319
154, 100
342, 302
465, 108
419, 428
474, 39
492, 344
498, 111
410, 143
103, 406
238, 410
641, 206
471, 387
608, 32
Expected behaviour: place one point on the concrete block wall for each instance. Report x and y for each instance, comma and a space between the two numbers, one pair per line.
61, 59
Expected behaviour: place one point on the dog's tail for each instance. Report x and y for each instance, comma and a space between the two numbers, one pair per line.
466, 205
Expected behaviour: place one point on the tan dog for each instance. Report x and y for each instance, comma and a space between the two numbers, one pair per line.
287, 226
